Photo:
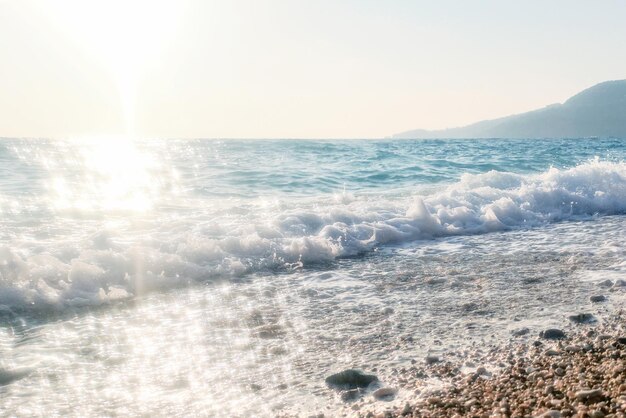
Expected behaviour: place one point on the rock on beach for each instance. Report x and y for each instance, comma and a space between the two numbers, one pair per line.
552, 334
585, 378
351, 379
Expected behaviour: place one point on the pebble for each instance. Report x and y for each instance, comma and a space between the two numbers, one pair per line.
387, 311
351, 379
584, 395
553, 413
587, 379
350, 395
552, 334
520, 332
384, 392
471, 403
619, 283
481, 371
432, 359
597, 298
582, 318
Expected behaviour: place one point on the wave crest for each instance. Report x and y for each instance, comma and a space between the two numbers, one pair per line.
104, 271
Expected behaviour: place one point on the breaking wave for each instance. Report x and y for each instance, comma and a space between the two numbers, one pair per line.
111, 268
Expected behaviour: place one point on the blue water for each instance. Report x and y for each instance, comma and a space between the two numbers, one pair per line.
132, 273
257, 167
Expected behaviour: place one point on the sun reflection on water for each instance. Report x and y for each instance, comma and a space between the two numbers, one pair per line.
106, 174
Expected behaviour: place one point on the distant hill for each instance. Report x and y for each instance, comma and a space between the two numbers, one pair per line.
597, 111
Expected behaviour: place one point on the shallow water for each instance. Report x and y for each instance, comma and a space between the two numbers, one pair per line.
230, 277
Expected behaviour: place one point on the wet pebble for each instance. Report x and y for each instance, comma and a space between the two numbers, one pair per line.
432, 359
552, 334
385, 392
582, 318
351, 379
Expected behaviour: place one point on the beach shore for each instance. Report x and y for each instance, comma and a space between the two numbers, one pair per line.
581, 373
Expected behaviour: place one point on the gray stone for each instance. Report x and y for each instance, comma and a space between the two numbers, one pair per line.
432, 359
387, 311
552, 352
384, 392
553, 413
552, 334
350, 395
520, 332
582, 318
351, 379
584, 395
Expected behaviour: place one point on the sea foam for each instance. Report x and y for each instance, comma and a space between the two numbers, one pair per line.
109, 267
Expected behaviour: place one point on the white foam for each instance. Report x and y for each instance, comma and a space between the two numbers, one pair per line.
110, 266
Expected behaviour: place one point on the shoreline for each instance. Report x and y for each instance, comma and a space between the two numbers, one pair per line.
581, 374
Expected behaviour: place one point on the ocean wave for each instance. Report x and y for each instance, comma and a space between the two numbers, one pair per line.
108, 269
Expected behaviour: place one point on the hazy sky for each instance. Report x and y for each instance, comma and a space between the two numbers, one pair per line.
305, 69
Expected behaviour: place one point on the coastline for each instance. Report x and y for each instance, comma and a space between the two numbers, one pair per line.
582, 374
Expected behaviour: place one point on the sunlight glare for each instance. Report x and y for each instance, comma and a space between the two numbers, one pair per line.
125, 36
113, 174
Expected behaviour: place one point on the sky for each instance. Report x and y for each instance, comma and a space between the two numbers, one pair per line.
293, 69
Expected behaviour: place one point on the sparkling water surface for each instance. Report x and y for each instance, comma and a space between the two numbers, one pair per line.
229, 277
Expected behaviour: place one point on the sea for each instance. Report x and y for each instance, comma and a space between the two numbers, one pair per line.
228, 278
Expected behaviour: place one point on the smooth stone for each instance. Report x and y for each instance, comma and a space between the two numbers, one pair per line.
582, 318
270, 331
351, 379
606, 283
619, 283
520, 332
350, 395
482, 371
553, 413
384, 392
471, 403
583, 395
552, 352
597, 298
9, 376
621, 340
387, 311
432, 359
552, 334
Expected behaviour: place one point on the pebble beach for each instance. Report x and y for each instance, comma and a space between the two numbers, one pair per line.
278, 278
579, 373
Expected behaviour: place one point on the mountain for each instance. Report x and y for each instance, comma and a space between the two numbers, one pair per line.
597, 111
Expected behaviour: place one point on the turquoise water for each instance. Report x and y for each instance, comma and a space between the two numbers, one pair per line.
188, 277
257, 167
